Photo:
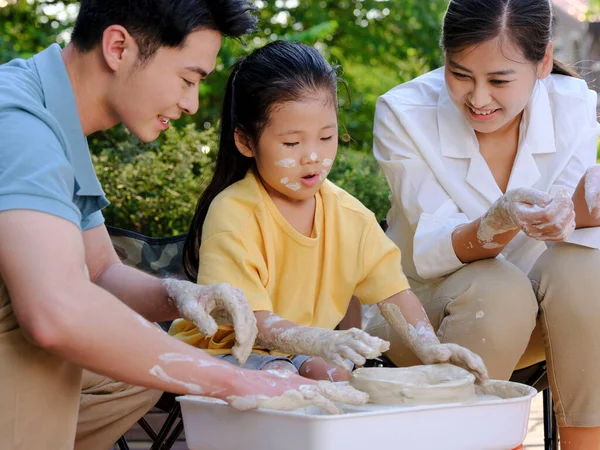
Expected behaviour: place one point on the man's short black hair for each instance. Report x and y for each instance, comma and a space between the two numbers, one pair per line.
160, 23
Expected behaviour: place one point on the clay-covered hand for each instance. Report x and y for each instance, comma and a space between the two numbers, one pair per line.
592, 191
198, 304
333, 346
534, 212
323, 394
428, 349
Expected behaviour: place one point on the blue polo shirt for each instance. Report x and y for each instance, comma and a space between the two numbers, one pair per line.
45, 163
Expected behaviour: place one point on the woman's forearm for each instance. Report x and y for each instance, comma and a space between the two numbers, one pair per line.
469, 248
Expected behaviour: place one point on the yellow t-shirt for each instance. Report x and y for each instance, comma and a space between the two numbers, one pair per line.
247, 243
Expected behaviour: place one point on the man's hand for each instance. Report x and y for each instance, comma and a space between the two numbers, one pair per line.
198, 304
323, 394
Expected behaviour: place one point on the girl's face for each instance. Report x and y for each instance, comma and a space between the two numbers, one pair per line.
297, 147
491, 83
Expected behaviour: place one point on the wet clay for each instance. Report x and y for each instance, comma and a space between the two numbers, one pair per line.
333, 346
417, 385
592, 191
323, 395
521, 208
422, 340
198, 304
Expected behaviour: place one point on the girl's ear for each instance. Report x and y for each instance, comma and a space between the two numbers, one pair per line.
242, 143
547, 63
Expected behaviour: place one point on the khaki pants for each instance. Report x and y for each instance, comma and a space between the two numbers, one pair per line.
47, 403
512, 321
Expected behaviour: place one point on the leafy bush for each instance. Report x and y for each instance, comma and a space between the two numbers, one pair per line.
153, 188
360, 175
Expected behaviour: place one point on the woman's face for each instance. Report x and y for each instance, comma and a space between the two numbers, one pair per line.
491, 83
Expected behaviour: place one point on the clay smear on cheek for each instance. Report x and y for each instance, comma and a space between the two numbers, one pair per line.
158, 372
287, 163
292, 186
327, 162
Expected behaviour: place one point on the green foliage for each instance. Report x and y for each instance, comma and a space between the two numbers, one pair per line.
29, 26
359, 174
378, 44
153, 188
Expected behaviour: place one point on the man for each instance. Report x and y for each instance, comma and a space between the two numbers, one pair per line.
66, 301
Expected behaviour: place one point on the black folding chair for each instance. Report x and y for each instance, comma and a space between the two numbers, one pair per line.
160, 257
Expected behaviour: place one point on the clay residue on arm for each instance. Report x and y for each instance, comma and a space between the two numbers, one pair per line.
199, 304
323, 394
408, 319
335, 347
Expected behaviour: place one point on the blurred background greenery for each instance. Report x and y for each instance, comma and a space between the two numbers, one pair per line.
154, 187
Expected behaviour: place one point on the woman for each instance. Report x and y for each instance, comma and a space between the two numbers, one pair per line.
489, 159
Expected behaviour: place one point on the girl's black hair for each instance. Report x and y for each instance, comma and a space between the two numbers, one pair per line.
277, 73
527, 23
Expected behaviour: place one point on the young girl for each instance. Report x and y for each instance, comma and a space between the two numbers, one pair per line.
489, 158
299, 247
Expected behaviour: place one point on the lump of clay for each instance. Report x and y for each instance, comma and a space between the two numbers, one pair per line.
417, 385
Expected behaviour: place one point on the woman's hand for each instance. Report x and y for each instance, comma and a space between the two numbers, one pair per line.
592, 191
534, 212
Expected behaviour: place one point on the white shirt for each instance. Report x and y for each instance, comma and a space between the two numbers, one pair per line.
439, 180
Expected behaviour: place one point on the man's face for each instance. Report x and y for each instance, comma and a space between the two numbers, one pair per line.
145, 97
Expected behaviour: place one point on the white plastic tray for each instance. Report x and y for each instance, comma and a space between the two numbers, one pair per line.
485, 425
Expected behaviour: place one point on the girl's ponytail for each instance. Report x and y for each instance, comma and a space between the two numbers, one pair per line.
560, 68
231, 166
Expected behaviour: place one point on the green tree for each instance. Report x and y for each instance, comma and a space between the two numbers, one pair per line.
154, 187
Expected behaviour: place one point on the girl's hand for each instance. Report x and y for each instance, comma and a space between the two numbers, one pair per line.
592, 191
429, 350
198, 304
338, 346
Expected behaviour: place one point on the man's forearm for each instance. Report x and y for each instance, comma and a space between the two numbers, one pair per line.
140, 291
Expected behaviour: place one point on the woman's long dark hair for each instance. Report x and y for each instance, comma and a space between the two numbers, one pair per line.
277, 73
527, 23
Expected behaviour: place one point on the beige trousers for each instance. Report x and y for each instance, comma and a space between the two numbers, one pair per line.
47, 403
512, 321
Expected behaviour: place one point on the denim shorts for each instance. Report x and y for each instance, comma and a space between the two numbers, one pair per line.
257, 361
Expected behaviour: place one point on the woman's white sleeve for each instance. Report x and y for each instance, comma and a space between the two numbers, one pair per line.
585, 143
430, 211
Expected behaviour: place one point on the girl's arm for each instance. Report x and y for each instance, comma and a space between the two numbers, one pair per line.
336, 347
406, 315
